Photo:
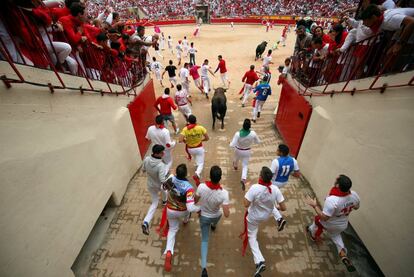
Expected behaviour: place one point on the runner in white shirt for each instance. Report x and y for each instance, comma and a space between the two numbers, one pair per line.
179, 49
156, 67
210, 197
333, 218
192, 52
158, 134
157, 172
242, 142
205, 80
170, 44
260, 201
185, 77
182, 99
162, 42
267, 60
185, 46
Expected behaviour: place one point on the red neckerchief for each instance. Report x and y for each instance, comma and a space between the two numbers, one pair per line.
375, 28
191, 126
161, 126
213, 186
261, 182
337, 192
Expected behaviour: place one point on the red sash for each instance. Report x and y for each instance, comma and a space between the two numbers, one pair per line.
242, 89
162, 230
244, 235
189, 157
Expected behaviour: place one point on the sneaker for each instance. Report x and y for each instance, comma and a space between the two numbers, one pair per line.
243, 185
213, 227
349, 266
177, 131
260, 267
258, 114
235, 166
204, 273
206, 95
145, 228
164, 202
281, 224
242, 105
254, 120
172, 86
241, 97
167, 263
310, 233
196, 179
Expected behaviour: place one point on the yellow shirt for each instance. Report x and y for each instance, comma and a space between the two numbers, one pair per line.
194, 136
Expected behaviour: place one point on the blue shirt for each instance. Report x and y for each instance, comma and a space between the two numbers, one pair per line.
181, 193
286, 166
262, 91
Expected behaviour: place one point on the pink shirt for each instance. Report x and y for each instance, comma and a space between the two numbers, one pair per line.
194, 72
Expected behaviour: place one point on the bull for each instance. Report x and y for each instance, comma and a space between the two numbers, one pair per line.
219, 106
260, 50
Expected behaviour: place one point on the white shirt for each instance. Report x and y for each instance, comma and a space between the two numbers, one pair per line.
204, 70
323, 52
156, 66
169, 41
338, 209
159, 136
394, 17
262, 201
211, 200
362, 31
267, 60
244, 142
389, 4
185, 43
179, 48
274, 167
181, 97
192, 50
184, 74
286, 69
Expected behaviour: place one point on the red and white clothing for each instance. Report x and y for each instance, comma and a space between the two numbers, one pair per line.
166, 104
179, 49
263, 199
181, 98
338, 205
195, 75
184, 76
283, 36
249, 78
319, 52
156, 67
267, 60
223, 71
185, 46
242, 142
211, 200
160, 135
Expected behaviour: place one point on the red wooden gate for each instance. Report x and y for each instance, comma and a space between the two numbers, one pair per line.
292, 118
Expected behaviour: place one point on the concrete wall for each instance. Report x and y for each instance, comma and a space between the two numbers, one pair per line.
369, 137
62, 157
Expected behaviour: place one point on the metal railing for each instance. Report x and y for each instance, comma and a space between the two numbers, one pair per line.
371, 57
93, 62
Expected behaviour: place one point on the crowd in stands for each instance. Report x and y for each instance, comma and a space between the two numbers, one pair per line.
378, 39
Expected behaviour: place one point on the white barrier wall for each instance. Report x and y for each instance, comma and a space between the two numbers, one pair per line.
62, 157
369, 137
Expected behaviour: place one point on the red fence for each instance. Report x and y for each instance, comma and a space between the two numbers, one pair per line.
292, 118
249, 21
142, 114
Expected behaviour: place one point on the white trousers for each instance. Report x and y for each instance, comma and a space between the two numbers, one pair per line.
244, 156
173, 80
246, 92
167, 158
252, 229
276, 213
257, 108
198, 156
158, 75
206, 84
283, 40
174, 220
154, 190
197, 82
334, 234
224, 78
62, 49
186, 86
185, 110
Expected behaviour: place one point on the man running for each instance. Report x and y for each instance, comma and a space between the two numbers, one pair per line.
210, 196
157, 173
205, 69
193, 136
171, 73
180, 205
166, 105
282, 167
156, 67
196, 77
185, 46
184, 76
242, 142
223, 71
170, 44
262, 91
267, 60
333, 217
158, 134
259, 201
182, 99
179, 49
249, 78
192, 52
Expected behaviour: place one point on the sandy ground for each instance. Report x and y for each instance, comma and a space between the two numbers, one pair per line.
127, 252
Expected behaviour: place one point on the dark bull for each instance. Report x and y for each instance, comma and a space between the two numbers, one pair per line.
219, 106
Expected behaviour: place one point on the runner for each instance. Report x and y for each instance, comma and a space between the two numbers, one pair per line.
196, 77
262, 91
205, 80
166, 104
171, 73
156, 67
223, 71
249, 79
182, 99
